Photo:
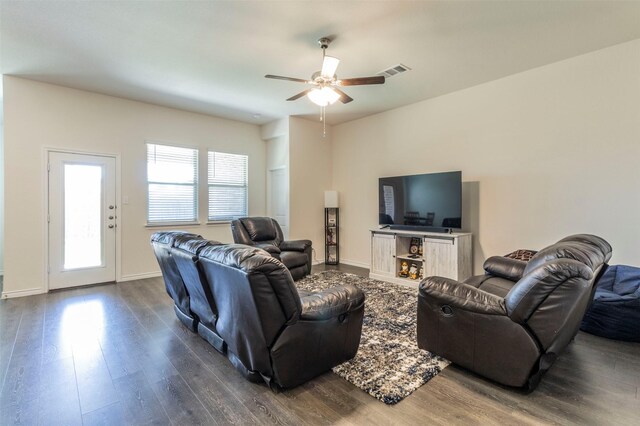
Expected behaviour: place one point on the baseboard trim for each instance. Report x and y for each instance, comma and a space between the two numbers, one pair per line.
22, 293
134, 277
355, 263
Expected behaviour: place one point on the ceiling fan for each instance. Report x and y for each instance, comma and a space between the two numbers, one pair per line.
326, 82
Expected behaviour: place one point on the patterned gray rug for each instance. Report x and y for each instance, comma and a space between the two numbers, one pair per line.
388, 366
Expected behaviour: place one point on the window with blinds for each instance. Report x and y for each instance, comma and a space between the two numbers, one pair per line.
172, 177
228, 177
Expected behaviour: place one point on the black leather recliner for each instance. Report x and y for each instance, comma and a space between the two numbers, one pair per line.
162, 243
184, 253
510, 324
249, 309
265, 233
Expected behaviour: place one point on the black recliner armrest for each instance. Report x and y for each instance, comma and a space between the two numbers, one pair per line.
295, 245
274, 251
462, 296
331, 303
505, 267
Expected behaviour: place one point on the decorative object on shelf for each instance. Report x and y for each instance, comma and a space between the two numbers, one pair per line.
404, 269
331, 235
413, 271
331, 228
414, 245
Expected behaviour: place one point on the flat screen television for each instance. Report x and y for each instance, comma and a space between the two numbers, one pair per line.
430, 202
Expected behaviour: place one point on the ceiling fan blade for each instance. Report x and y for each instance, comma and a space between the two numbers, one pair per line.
378, 79
279, 77
329, 66
299, 95
344, 98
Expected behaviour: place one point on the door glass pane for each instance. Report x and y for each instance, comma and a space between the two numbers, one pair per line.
82, 216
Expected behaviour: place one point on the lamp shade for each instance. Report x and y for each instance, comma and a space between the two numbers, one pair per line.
331, 199
324, 96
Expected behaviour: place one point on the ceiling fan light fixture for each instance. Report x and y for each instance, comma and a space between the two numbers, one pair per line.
323, 97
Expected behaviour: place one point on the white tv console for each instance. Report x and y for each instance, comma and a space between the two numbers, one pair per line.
443, 254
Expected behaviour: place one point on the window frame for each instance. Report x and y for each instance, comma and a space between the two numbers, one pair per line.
196, 186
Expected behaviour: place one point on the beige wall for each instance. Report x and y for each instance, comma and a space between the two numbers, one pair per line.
544, 153
39, 115
278, 152
310, 175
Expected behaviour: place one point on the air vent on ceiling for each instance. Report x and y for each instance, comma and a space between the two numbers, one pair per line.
396, 69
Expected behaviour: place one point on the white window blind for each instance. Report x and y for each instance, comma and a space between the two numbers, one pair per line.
172, 177
228, 176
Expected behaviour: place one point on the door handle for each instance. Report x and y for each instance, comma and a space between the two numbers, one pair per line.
111, 207
111, 226
110, 217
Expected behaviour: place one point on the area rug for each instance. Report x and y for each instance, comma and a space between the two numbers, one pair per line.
388, 366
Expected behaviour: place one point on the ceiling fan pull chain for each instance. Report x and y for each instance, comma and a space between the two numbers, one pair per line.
324, 122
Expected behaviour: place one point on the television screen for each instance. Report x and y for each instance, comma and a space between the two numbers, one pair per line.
430, 200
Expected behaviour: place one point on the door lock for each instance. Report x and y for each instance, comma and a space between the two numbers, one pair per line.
112, 207
111, 226
111, 217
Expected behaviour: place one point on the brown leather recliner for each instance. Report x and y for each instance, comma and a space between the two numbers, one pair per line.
248, 308
510, 324
265, 233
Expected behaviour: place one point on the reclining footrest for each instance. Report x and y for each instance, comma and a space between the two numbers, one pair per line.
189, 322
213, 339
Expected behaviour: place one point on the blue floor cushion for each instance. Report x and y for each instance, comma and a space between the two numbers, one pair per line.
615, 311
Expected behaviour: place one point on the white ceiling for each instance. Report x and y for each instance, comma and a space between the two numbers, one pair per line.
211, 57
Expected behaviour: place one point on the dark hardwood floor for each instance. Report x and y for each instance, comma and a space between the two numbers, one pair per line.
116, 354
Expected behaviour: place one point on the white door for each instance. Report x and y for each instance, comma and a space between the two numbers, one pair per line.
383, 254
441, 258
82, 219
279, 199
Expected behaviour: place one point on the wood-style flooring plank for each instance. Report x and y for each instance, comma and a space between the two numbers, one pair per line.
180, 403
23, 376
59, 408
140, 404
106, 416
306, 405
24, 413
508, 399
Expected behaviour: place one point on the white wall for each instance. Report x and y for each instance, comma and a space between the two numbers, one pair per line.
310, 175
40, 115
544, 153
